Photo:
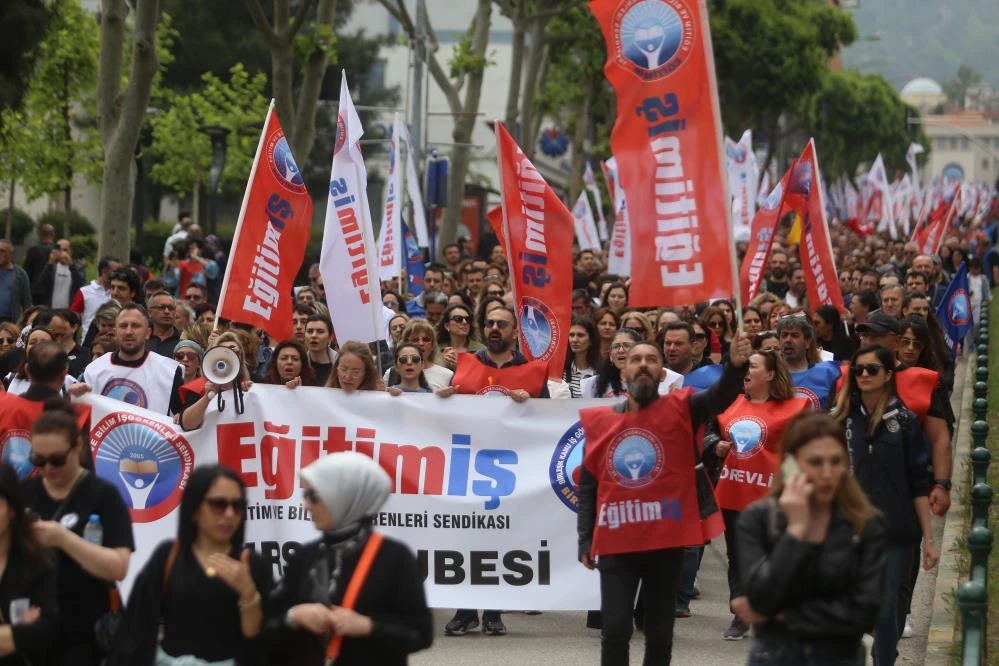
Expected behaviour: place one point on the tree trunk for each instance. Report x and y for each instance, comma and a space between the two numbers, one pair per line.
67, 207
10, 210
532, 81
516, 69
121, 115
313, 73
463, 127
578, 139
196, 203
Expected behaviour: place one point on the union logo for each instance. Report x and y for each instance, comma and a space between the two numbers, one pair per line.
567, 464
635, 458
653, 38
539, 328
747, 435
127, 391
773, 199
147, 461
16, 451
959, 308
812, 396
282, 163
341, 133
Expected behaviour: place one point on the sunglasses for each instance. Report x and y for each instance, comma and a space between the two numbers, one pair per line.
407, 359
461, 319
185, 357
910, 342
501, 324
7, 341
218, 505
391, 305
310, 495
869, 369
54, 459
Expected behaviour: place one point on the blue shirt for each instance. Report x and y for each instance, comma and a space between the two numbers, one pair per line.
6, 291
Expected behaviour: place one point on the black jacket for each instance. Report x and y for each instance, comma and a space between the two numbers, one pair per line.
44, 284
392, 596
890, 466
702, 405
830, 591
35, 580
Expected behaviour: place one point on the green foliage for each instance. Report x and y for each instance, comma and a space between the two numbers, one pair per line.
84, 248
314, 40
957, 88
79, 225
154, 235
184, 153
20, 226
463, 61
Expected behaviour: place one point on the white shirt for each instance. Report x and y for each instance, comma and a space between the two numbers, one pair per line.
62, 286
18, 385
172, 240
94, 296
588, 386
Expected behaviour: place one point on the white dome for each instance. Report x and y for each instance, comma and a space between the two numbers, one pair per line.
922, 86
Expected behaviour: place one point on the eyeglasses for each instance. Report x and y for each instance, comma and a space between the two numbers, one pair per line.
715, 324
310, 495
218, 505
461, 319
495, 294
193, 297
7, 341
54, 459
501, 324
910, 342
622, 346
181, 356
391, 305
349, 372
870, 369
406, 360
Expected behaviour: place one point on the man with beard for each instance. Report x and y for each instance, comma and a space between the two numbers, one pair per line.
815, 381
499, 369
776, 282
132, 374
638, 499
797, 291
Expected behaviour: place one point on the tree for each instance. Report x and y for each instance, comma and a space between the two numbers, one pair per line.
23, 24
957, 88
465, 72
184, 154
121, 111
59, 93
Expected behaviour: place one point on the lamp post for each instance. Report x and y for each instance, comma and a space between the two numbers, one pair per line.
219, 136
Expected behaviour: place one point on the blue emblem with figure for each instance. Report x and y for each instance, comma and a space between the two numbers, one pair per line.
145, 460
16, 445
635, 458
801, 178
747, 434
654, 36
773, 199
282, 164
125, 390
959, 308
567, 465
539, 329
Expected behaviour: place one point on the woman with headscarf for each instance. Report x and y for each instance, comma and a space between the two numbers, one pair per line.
353, 595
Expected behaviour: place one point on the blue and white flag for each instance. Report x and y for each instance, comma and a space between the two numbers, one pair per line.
954, 312
414, 271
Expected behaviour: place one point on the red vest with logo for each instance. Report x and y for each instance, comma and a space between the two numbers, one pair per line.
914, 386
755, 430
474, 377
643, 462
17, 415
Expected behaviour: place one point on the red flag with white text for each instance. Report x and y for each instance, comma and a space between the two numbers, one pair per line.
668, 143
538, 230
761, 238
930, 236
805, 197
271, 235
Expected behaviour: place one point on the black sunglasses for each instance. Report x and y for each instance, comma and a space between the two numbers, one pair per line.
461, 319
405, 359
8, 341
55, 459
220, 504
870, 369
501, 324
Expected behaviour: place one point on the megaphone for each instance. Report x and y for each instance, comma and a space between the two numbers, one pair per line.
220, 366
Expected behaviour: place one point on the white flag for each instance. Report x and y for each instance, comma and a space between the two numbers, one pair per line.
390, 234
763, 190
743, 175
415, 193
879, 205
591, 184
347, 262
619, 252
586, 227
902, 198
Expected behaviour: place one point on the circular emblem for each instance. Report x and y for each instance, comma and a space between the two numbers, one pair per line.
736, 152
16, 446
341, 133
652, 38
747, 434
493, 390
959, 308
69, 521
566, 464
127, 391
773, 199
539, 329
892, 425
813, 398
282, 163
579, 210
801, 178
146, 460
635, 458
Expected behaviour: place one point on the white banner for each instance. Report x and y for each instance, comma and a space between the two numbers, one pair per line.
590, 182
415, 194
743, 175
586, 227
347, 261
619, 252
390, 234
486, 499
880, 206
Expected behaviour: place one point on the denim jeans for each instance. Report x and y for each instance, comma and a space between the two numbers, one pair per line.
786, 651
898, 560
691, 563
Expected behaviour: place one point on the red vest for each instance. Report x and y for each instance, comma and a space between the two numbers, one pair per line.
192, 389
17, 415
643, 462
914, 386
755, 430
474, 377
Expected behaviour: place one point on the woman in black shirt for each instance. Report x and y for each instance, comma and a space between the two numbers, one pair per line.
204, 587
27, 586
65, 496
312, 614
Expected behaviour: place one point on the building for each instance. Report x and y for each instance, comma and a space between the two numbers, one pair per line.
965, 146
924, 94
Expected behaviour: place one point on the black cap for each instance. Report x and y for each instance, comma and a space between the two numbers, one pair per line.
879, 322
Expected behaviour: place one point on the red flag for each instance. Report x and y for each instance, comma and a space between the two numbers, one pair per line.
761, 238
495, 217
668, 143
538, 229
270, 240
929, 236
805, 197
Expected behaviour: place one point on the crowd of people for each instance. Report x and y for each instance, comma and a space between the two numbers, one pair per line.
852, 447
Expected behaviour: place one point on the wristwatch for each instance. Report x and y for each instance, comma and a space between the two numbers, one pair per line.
943, 483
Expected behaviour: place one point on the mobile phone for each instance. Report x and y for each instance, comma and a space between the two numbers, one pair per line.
788, 468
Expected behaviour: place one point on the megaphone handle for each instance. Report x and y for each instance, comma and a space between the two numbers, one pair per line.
221, 402
237, 394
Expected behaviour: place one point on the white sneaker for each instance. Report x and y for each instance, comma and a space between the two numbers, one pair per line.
907, 630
